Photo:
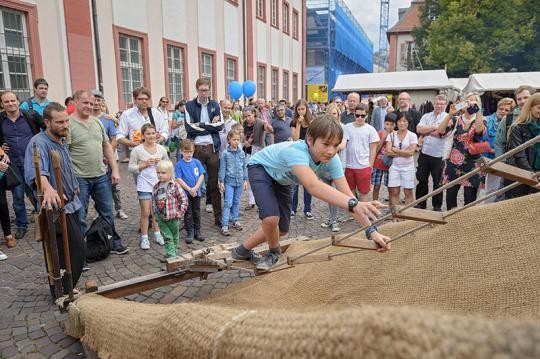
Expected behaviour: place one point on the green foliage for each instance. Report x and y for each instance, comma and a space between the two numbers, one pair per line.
479, 36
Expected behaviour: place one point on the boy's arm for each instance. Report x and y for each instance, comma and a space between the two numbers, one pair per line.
182, 184
372, 153
199, 182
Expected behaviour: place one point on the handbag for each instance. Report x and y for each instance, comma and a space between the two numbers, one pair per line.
387, 160
13, 177
449, 141
477, 148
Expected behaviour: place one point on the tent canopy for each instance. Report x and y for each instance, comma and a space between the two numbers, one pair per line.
393, 81
501, 81
459, 83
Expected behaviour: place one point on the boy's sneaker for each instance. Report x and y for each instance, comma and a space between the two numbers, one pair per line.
326, 224
159, 238
189, 237
309, 216
198, 236
236, 225
120, 250
334, 227
121, 214
3, 256
249, 207
268, 261
209, 208
293, 213
225, 231
145, 243
252, 256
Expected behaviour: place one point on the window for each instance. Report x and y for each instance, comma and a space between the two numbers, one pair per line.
234, 2
175, 71
274, 14
285, 18
14, 53
230, 72
275, 84
207, 69
285, 85
131, 65
295, 87
295, 24
261, 81
261, 9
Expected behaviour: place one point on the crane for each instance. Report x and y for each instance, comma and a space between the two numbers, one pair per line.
383, 28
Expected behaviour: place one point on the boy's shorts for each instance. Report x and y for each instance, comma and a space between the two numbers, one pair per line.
377, 176
272, 198
359, 178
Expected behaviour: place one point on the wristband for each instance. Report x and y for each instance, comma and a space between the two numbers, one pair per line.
370, 230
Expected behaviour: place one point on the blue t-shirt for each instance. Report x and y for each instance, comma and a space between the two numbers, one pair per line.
35, 106
279, 158
189, 172
109, 125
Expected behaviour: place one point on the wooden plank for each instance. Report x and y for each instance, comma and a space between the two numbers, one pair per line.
311, 258
419, 215
353, 242
507, 171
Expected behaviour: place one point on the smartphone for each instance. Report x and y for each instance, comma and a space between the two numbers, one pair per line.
460, 106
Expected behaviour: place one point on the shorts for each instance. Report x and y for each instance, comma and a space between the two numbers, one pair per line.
144, 195
403, 177
359, 178
377, 176
272, 198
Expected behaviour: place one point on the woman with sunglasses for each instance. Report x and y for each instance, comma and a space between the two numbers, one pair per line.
401, 145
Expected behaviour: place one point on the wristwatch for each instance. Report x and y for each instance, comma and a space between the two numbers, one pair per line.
352, 203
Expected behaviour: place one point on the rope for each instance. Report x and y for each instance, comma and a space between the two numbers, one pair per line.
226, 326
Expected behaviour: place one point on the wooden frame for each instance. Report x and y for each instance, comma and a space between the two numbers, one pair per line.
185, 56
274, 70
295, 24
263, 66
263, 17
212, 53
288, 82
286, 11
276, 3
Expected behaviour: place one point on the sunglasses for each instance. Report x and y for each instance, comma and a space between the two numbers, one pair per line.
358, 115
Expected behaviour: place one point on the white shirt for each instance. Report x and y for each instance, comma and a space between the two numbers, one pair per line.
433, 145
164, 113
132, 120
147, 177
227, 126
206, 139
357, 150
409, 139
343, 153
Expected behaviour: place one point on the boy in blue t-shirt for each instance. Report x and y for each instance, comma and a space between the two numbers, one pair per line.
275, 169
189, 173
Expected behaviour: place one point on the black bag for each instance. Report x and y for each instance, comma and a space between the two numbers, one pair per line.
98, 240
13, 177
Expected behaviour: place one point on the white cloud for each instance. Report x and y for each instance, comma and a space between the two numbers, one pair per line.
367, 12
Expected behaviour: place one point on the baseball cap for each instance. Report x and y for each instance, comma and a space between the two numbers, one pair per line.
97, 93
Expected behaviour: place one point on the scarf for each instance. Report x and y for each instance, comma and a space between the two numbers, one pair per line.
534, 127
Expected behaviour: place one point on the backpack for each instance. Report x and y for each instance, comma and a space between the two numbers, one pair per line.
98, 240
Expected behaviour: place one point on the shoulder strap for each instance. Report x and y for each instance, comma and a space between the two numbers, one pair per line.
149, 109
29, 102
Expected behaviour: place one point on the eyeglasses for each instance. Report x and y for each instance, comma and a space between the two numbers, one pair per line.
203, 90
358, 115
164, 101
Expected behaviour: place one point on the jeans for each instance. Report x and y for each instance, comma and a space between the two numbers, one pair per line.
493, 183
428, 165
100, 190
334, 211
19, 207
115, 192
231, 203
307, 200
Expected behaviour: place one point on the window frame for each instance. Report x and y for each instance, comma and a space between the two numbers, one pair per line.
232, 2
260, 65
274, 4
212, 53
286, 25
285, 85
228, 58
295, 86
185, 70
295, 24
258, 9
274, 87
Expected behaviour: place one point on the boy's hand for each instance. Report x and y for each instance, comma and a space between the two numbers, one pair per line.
246, 184
221, 187
179, 215
193, 192
367, 211
381, 240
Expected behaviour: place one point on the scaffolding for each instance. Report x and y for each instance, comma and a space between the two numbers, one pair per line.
336, 43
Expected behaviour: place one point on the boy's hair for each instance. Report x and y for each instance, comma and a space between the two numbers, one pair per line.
166, 166
361, 107
237, 127
187, 145
324, 126
390, 117
234, 132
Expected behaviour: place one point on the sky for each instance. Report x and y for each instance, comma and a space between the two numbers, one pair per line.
367, 12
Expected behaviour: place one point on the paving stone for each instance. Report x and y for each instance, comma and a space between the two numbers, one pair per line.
9, 351
36, 334
50, 349
61, 354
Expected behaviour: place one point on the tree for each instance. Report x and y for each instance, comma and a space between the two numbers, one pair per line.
478, 36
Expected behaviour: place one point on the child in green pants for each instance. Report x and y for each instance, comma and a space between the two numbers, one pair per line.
169, 203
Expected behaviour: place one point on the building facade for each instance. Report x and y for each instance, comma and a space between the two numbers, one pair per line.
336, 43
165, 45
402, 55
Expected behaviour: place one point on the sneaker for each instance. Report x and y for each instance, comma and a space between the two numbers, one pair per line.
3, 256
21, 232
225, 231
121, 214
252, 256
236, 225
293, 213
85, 268
268, 261
249, 207
120, 250
309, 216
198, 236
189, 237
158, 238
334, 227
326, 224
10, 241
145, 243
209, 208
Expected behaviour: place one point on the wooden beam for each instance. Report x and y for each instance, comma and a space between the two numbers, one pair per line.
419, 215
353, 242
311, 258
509, 172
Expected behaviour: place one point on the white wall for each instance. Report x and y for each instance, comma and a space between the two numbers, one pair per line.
173, 29
131, 14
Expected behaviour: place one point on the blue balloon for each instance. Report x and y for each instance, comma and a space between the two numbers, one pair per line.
235, 90
249, 88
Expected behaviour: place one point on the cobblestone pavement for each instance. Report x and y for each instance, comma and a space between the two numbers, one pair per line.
31, 326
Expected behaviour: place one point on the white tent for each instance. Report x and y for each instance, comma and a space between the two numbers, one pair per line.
459, 83
502, 81
393, 81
